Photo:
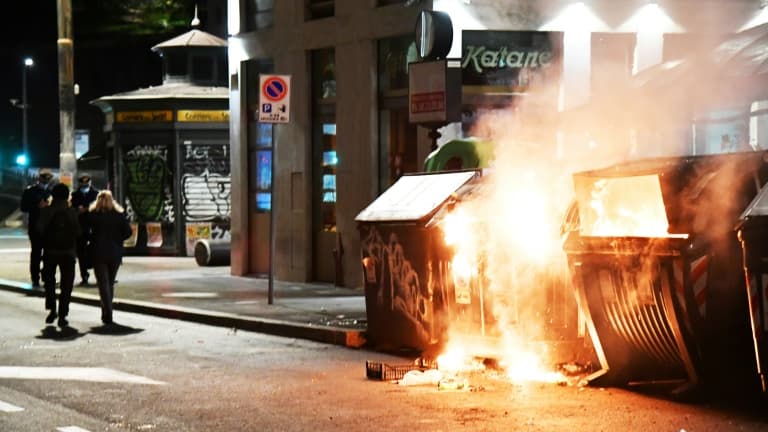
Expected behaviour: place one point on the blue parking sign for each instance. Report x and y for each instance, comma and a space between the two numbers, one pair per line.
266, 108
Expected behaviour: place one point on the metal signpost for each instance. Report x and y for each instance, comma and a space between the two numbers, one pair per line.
274, 107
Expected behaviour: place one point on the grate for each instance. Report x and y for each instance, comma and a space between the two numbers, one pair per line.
385, 372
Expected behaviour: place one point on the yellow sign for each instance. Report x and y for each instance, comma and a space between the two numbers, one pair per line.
144, 116
202, 116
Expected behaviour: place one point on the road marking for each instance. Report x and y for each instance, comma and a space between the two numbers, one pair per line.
71, 429
15, 250
192, 294
73, 374
6, 407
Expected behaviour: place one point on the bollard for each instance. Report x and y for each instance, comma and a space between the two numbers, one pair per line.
212, 252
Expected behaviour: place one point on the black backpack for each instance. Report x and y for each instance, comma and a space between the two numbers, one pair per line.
61, 233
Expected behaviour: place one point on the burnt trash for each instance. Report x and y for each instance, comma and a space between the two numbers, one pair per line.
752, 230
657, 270
401, 254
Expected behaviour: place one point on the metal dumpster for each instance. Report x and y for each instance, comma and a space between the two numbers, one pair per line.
753, 232
401, 254
657, 269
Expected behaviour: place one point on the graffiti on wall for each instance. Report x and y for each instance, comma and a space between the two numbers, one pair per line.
398, 287
205, 187
147, 187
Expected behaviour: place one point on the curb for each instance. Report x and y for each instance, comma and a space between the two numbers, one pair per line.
349, 338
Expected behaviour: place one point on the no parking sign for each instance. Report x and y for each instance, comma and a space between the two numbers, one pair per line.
275, 98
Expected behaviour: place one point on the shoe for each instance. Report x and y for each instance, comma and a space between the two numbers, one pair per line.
83, 283
51, 316
63, 322
35, 284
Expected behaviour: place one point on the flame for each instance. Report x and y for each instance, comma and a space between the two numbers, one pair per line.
526, 366
627, 206
517, 365
500, 239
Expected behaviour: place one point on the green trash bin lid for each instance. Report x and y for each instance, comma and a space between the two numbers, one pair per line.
466, 153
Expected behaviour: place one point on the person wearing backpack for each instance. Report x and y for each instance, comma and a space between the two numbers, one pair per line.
34, 198
109, 228
59, 229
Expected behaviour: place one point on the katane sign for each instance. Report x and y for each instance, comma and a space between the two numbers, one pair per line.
275, 98
512, 59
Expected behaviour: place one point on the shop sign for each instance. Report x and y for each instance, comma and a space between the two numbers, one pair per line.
513, 59
433, 92
144, 116
202, 116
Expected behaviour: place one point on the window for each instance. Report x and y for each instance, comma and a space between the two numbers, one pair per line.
612, 61
176, 63
317, 9
259, 14
398, 151
202, 68
324, 149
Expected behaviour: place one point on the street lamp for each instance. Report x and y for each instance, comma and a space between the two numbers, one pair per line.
24, 106
28, 63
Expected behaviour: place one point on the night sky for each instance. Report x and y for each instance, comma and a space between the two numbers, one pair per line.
105, 64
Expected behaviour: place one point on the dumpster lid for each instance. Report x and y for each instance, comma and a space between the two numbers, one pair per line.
758, 206
415, 196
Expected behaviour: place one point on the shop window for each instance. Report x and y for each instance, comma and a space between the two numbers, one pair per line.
394, 56
317, 9
259, 14
398, 150
612, 61
324, 149
330, 160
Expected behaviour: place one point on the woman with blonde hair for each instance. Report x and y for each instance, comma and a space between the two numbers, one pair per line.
108, 229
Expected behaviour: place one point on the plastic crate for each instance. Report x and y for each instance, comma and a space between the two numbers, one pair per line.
386, 372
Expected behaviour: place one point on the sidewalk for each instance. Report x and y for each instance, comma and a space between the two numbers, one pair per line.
177, 288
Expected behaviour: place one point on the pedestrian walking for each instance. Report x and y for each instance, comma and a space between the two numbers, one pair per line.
59, 229
82, 198
109, 228
34, 198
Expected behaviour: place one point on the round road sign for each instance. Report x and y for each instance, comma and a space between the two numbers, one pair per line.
274, 89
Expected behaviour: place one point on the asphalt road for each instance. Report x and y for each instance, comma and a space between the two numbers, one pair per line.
167, 375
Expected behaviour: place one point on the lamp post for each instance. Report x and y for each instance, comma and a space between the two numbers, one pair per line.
28, 63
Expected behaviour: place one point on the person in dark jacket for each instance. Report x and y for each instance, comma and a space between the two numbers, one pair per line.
59, 229
82, 198
109, 228
34, 198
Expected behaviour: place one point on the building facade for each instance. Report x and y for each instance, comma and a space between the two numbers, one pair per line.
297, 187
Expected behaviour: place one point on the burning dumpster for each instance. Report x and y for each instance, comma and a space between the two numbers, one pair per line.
657, 269
401, 253
441, 274
753, 232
